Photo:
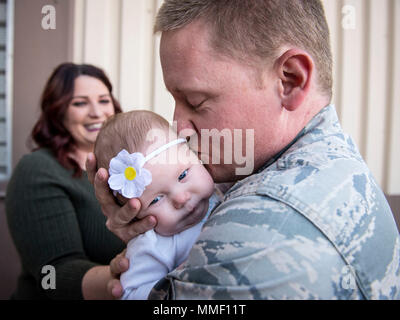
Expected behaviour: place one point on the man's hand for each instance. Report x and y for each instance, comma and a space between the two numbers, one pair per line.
118, 265
119, 219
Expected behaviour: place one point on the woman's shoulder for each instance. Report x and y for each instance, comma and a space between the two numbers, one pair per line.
41, 169
39, 154
39, 160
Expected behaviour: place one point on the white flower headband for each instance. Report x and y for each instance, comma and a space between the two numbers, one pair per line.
127, 175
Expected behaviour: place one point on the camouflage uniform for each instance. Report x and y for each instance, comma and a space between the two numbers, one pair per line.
312, 224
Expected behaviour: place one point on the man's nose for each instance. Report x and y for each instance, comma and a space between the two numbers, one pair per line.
180, 199
183, 121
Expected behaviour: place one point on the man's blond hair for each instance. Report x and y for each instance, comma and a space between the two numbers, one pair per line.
256, 29
127, 131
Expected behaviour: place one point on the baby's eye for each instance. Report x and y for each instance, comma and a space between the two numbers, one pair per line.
156, 199
183, 175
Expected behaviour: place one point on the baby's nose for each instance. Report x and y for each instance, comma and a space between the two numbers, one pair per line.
180, 199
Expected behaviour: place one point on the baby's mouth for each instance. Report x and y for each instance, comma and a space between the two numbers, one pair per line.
190, 209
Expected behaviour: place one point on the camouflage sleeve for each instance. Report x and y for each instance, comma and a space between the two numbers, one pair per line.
254, 247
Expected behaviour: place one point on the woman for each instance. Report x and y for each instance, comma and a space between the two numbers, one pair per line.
53, 215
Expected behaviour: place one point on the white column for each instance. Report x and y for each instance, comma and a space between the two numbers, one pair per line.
97, 36
163, 102
393, 172
136, 56
354, 70
376, 92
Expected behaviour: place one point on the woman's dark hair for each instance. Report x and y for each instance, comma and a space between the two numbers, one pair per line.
49, 131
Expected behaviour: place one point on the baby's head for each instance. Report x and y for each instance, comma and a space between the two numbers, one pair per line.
176, 185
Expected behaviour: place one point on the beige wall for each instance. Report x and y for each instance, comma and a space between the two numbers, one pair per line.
36, 53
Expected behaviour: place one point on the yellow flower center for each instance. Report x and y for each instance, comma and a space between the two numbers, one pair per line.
130, 173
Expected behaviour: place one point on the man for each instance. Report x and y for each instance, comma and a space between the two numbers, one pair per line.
309, 222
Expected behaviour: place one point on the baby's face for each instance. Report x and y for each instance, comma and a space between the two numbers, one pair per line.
179, 192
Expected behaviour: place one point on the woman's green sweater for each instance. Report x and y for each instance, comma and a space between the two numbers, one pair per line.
55, 219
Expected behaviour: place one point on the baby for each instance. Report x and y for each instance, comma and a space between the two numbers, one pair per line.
146, 160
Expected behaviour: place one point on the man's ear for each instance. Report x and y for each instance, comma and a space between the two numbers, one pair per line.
295, 69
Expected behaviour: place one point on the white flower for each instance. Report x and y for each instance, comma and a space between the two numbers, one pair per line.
127, 175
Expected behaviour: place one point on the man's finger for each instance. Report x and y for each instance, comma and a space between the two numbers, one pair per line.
103, 194
119, 265
114, 288
127, 212
122, 216
130, 231
117, 216
91, 167
142, 225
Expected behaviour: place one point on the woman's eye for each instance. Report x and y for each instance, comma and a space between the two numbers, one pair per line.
156, 199
105, 101
79, 103
183, 175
